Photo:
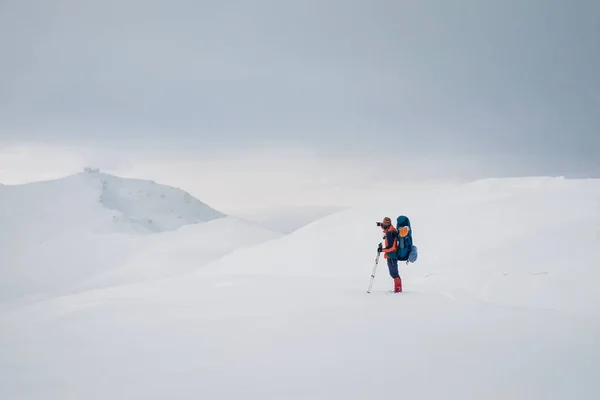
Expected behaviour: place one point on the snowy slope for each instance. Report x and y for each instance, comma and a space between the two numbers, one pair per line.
58, 234
511, 242
102, 203
153, 207
502, 304
182, 251
286, 219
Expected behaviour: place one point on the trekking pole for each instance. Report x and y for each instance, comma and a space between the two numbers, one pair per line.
374, 269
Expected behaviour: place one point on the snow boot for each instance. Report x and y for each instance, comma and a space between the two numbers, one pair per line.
397, 285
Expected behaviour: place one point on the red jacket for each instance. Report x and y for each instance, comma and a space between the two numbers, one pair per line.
391, 241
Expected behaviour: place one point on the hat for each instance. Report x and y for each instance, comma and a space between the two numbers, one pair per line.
386, 221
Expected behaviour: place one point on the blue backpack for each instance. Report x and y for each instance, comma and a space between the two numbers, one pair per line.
407, 251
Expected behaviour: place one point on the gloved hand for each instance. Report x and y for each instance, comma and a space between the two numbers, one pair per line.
379, 248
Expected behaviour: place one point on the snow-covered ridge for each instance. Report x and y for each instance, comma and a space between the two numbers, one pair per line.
102, 202
151, 206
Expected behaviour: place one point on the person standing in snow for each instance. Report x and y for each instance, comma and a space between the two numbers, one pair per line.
390, 251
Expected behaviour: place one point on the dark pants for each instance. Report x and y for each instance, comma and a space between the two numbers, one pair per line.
393, 267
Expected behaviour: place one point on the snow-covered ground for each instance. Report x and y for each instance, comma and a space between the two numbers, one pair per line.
502, 304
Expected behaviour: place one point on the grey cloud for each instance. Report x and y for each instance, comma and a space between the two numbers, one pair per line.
506, 80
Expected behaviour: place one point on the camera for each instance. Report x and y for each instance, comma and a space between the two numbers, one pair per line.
378, 223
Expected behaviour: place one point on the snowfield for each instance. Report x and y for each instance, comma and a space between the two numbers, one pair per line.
501, 304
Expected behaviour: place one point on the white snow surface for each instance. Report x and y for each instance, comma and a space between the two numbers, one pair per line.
501, 304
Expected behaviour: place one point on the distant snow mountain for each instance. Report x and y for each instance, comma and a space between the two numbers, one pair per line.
147, 205
57, 234
103, 203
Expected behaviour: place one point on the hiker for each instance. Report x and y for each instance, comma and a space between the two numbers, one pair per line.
391, 251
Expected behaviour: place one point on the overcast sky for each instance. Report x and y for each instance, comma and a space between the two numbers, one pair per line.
498, 87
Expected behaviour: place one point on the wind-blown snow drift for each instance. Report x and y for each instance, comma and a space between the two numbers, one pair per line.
501, 304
